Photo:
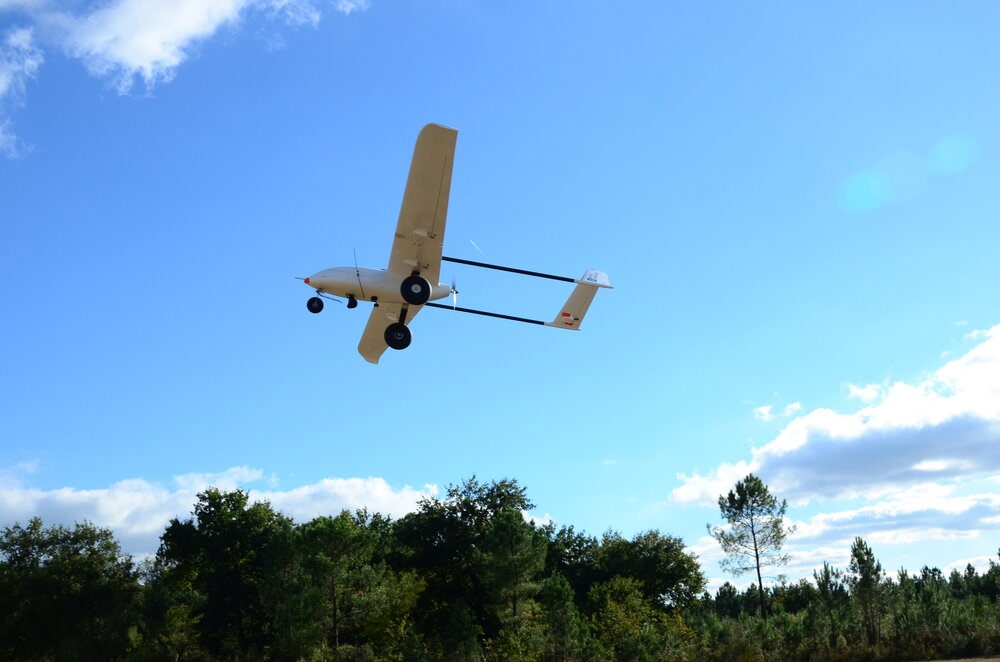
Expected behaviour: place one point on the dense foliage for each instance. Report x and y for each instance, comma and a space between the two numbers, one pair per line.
464, 577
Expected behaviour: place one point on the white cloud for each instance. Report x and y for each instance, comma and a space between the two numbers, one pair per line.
980, 563
544, 520
868, 393
347, 6
706, 549
229, 479
952, 419
801, 562
145, 38
792, 409
766, 413
137, 510
940, 465
20, 60
331, 495
927, 511
125, 40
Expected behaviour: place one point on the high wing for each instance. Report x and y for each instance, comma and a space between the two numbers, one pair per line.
372, 344
420, 229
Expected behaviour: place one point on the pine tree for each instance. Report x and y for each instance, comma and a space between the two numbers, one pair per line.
756, 531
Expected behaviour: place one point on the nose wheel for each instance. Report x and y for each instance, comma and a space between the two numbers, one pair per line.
315, 305
397, 336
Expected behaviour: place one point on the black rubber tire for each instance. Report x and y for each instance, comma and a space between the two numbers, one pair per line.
352, 302
314, 305
397, 336
415, 290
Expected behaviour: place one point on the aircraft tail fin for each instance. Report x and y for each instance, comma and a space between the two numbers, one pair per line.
571, 315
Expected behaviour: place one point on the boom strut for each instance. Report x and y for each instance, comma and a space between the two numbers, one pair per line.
483, 312
510, 269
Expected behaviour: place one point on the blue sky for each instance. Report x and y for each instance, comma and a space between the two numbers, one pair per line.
796, 205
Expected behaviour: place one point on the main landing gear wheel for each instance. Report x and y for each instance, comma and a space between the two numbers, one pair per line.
415, 290
351, 302
397, 336
314, 305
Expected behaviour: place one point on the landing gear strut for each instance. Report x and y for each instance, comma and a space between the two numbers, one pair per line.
314, 305
397, 336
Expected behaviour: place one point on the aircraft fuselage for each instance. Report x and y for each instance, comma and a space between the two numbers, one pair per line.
367, 284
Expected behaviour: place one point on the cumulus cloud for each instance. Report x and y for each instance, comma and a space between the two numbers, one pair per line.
947, 425
137, 510
763, 413
128, 40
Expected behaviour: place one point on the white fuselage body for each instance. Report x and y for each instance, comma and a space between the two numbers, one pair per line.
367, 284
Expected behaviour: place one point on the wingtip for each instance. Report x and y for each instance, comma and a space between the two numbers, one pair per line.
435, 125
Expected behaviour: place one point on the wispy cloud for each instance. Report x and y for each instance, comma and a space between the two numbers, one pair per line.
792, 409
137, 510
766, 413
124, 41
20, 60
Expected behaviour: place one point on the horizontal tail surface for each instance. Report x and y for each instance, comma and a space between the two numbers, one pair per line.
572, 313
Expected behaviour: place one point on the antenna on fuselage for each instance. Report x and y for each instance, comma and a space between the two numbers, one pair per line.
357, 274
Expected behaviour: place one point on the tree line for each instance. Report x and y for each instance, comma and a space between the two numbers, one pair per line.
463, 577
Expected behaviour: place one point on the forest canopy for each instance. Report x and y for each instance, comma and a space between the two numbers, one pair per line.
463, 577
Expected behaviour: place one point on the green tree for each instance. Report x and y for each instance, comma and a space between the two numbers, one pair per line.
573, 555
727, 601
226, 552
865, 578
622, 617
443, 541
755, 533
832, 598
565, 633
515, 556
667, 574
65, 594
